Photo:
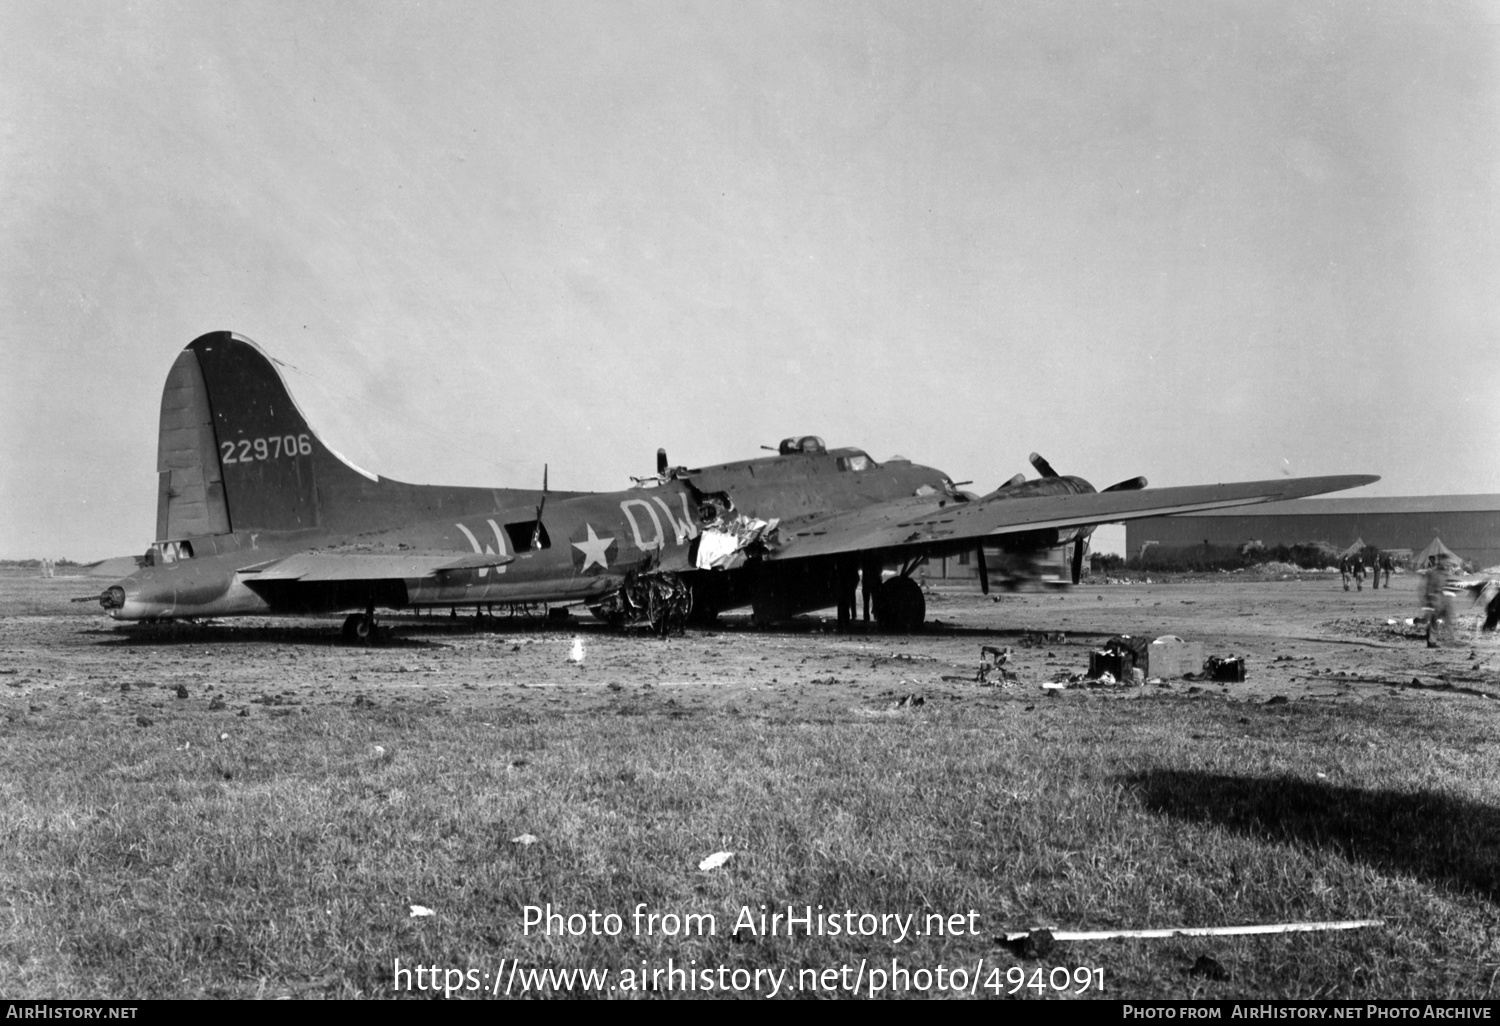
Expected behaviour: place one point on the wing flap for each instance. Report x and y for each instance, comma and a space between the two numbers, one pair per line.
914, 523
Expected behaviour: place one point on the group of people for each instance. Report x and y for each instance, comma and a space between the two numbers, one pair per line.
1439, 591
1354, 567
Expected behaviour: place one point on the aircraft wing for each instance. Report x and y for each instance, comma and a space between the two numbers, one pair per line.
367, 566
934, 522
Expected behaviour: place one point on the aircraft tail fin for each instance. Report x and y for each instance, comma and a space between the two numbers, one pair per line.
235, 453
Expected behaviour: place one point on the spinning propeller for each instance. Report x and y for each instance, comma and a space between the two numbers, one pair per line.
1044, 468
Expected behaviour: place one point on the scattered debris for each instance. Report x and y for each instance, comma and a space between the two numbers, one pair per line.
417, 911
1170, 656
1277, 700
216, 704
715, 860
525, 840
1119, 656
182, 691
1001, 656
142, 721
1224, 668
910, 701
576, 654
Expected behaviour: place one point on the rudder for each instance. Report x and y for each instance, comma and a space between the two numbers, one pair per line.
190, 489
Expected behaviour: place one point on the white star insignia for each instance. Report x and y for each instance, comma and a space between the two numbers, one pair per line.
595, 550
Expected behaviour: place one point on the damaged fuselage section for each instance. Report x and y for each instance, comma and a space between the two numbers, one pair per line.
750, 509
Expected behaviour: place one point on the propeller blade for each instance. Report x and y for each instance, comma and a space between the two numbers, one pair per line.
1134, 484
1078, 559
984, 571
661, 463
1042, 466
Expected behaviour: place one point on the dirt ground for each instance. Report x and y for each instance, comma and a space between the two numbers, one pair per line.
1304, 640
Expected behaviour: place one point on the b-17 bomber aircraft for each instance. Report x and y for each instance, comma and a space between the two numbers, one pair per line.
257, 516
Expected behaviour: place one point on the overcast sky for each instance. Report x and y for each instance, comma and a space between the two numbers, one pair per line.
1197, 241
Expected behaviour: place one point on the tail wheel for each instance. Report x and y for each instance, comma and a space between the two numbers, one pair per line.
900, 605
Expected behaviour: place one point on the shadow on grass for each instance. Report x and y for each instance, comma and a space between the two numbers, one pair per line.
1438, 838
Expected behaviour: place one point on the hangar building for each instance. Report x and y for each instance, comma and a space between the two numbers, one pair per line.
1467, 524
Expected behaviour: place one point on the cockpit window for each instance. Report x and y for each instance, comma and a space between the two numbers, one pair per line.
855, 463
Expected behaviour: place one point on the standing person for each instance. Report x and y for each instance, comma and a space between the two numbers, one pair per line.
1357, 568
1437, 603
1385, 566
869, 579
1344, 571
845, 583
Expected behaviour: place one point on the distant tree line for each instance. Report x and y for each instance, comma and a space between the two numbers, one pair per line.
1316, 555
1313, 555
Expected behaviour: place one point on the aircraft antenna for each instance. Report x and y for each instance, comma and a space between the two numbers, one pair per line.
536, 528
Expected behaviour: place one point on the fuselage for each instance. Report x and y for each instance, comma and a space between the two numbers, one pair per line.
582, 548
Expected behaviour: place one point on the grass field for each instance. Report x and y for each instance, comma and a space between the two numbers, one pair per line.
157, 846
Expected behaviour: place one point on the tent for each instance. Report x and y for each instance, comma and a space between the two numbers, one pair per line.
1355, 549
1436, 552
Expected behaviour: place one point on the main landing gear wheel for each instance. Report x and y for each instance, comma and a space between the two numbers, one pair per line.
359, 628
900, 605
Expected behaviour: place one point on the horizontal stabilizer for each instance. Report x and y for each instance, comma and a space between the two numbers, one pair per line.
367, 566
